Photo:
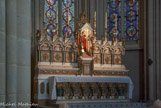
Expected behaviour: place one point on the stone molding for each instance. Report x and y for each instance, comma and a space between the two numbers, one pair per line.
59, 72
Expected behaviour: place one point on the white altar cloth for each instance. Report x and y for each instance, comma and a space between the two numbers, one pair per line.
107, 79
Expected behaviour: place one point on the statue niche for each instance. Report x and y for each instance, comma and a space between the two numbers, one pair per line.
97, 55
107, 56
57, 53
45, 55
117, 56
84, 40
69, 54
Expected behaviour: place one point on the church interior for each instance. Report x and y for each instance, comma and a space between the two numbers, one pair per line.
80, 53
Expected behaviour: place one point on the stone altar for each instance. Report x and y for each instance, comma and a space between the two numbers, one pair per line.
82, 69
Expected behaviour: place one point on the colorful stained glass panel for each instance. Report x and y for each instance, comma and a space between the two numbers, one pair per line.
51, 14
113, 10
131, 31
113, 17
131, 2
67, 31
50, 17
131, 22
67, 3
68, 18
131, 15
51, 30
51, 2
113, 32
114, 3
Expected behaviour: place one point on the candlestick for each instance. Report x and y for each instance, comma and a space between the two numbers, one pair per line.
95, 19
105, 32
96, 16
106, 20
87, 32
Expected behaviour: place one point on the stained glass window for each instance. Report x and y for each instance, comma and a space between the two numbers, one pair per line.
114, 11
68, 18
50, 17
131, 21
113, 19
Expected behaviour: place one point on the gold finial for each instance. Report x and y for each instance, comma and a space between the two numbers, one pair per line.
105, 32
103, 38
106, 38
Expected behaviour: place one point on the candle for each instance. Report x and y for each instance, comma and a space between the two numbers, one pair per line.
115, 21
44, 13
95, 19
96, 15
57, 16
106, 20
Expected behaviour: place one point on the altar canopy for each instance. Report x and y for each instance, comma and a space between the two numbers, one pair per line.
106, 79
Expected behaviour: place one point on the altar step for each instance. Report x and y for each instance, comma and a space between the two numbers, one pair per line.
102, 105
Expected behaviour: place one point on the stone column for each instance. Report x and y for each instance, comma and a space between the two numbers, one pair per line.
24, 50
160, 50
37, 16
100, 18
11, 70
104, 12
145, 49
3, 50
79, 8
157, 48
76, 10
92, 10
151, 48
